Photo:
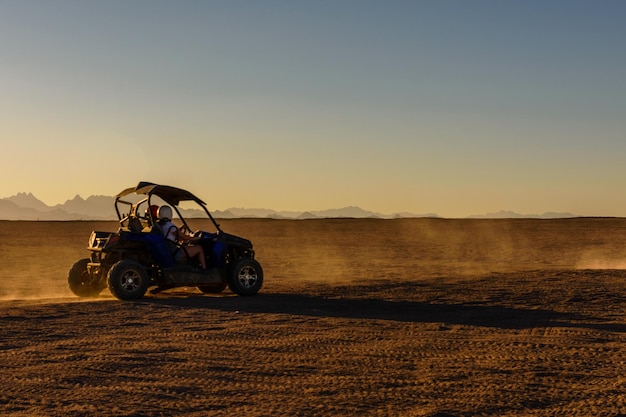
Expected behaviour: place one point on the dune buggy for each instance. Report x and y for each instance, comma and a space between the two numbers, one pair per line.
138, 256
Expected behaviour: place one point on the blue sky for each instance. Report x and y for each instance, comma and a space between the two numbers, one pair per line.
448, 107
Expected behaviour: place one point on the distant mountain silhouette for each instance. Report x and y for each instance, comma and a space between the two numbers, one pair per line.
28, 207
307, 215
504, 214
25, 206
11, 211
96, 206
346, 212
28, 200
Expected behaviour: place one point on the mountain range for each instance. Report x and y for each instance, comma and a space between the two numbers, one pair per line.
25, 206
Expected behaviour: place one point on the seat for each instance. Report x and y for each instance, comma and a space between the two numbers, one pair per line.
134, 225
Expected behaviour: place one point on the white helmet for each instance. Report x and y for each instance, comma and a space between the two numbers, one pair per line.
165, 213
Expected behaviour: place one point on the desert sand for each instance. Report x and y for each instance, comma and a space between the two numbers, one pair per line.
407, 317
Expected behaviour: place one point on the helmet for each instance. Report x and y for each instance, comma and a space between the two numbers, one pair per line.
153, 210
165, 212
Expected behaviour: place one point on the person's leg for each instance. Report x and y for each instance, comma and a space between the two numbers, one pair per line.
196, 250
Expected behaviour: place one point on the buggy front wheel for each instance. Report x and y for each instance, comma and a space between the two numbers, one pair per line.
246, 277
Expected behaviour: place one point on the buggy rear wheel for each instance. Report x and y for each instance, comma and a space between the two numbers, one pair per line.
81, 283
128, 280
246, 277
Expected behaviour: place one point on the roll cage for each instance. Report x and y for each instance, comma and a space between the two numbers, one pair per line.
173, 196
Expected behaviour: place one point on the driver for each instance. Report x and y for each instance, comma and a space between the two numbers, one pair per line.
172, 234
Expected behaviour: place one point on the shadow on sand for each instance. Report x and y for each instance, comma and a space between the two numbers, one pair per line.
401, 311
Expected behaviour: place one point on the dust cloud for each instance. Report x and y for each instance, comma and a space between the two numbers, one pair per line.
352, 250
35, 257
595, 261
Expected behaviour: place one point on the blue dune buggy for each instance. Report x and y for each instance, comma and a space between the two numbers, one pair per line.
138, 256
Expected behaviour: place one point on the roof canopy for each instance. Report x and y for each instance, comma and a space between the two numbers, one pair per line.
171, 195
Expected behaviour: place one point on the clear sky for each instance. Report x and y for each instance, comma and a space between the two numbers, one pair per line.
450, 107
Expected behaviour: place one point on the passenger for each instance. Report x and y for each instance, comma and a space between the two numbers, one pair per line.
171, 233
151, 214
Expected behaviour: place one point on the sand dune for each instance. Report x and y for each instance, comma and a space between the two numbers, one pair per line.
412, 317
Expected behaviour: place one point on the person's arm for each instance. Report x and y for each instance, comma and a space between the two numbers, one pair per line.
183, 237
